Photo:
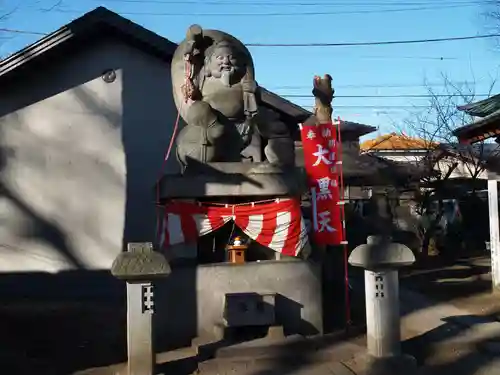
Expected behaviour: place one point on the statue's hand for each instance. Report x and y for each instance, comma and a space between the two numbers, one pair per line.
189, 48
194, 40
323, 89
191, 51
194, 32
249, 86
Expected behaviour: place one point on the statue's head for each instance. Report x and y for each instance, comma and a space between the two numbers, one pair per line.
224, 61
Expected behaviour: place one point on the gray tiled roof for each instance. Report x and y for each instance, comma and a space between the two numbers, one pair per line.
482, 108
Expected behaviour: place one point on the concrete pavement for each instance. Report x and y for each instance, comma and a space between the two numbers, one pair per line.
444, 338
449, 340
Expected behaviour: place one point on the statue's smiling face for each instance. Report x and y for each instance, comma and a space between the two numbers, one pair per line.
224, 63
223, 60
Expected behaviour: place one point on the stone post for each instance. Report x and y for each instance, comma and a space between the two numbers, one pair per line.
494, 231
381, 259
139, 267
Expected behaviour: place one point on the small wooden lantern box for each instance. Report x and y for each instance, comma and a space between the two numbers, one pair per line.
236, 252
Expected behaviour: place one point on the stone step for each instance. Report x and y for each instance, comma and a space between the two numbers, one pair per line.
276, 345
175, 355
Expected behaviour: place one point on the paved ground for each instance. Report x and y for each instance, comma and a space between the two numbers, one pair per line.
466, 283
449, 324
294, 355
449, 340
460, 318
59, 338
452, 330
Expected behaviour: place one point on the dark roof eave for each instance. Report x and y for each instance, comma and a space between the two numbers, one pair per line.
483, 107
284, 106
367, 167
89, 24
34, 50
299, 114
479, 130
357, 128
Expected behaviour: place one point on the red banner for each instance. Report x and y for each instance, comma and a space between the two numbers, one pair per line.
319, 143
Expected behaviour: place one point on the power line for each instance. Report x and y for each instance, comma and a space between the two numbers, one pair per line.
376, 43
300, 3
15, 31
399, 57
390, 96
440, 58
377, 85
26, 32
279, 14
373, 106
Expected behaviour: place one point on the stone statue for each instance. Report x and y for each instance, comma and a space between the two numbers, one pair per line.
218, 98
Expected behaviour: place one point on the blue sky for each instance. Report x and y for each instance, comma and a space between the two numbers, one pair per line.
357, 70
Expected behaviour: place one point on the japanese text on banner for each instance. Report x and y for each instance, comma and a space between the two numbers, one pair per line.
319, 143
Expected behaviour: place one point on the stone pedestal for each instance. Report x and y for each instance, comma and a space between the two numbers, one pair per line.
233, 179
139, 266
381, 260
285, 289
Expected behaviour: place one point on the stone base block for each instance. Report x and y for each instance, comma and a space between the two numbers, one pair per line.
234, 179
191, 302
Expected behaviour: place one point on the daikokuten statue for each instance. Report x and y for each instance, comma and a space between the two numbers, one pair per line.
217, 96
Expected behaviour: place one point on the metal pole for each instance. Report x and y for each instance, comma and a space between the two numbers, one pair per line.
494, 232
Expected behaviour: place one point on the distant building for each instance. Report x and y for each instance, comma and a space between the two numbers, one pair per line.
398, 147
472, 160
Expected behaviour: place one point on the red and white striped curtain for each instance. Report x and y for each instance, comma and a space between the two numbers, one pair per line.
276, 224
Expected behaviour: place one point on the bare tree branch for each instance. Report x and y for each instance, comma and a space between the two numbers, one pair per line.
435, 126
491, 14
436, 149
